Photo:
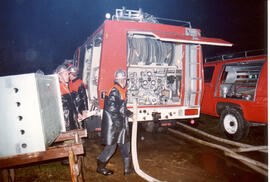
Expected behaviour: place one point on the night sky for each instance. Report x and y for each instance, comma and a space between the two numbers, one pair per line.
40, 34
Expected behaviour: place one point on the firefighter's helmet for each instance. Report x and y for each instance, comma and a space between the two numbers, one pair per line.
73, 70
120, 75
68, 62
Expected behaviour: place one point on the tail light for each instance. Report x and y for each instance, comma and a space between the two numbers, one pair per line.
191, 112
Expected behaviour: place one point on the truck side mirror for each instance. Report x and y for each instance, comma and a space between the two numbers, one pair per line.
103, 94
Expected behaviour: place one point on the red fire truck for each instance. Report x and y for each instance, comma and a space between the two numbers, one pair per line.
163, 62
236, 91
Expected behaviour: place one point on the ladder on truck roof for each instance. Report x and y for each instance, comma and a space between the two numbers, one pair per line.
140, 16
133, 15
237, 55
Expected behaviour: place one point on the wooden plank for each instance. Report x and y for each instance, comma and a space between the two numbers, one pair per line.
57, 152
72, 166
69, 135
80, 167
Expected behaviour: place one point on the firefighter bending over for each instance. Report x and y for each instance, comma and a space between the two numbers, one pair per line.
67, 101
114, 126
78, 92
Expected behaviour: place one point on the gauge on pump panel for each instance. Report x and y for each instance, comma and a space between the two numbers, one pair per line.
145, 82
143, 74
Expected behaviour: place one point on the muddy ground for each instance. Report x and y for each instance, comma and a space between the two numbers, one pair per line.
163, 156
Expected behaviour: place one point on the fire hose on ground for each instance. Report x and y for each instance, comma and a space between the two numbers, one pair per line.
253, 164
134, 147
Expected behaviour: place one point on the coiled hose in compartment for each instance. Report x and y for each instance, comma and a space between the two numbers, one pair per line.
148, 51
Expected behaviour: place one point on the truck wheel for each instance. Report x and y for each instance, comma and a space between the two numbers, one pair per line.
233, 124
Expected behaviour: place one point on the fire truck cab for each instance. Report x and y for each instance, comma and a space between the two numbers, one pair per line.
163, 62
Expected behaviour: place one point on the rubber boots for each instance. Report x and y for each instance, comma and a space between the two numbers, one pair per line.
127, 166
101, 168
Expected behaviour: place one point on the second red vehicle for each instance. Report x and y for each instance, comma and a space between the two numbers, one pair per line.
235, 89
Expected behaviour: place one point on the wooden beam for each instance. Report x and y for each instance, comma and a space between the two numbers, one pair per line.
57, 152
69, 135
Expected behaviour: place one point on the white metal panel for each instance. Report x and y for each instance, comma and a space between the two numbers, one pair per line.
30, 113
94, 77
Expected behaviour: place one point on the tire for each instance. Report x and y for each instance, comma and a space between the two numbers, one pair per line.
233, 124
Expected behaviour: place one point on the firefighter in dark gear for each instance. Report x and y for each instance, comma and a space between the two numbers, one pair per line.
78, 92
114, 126
67, 101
